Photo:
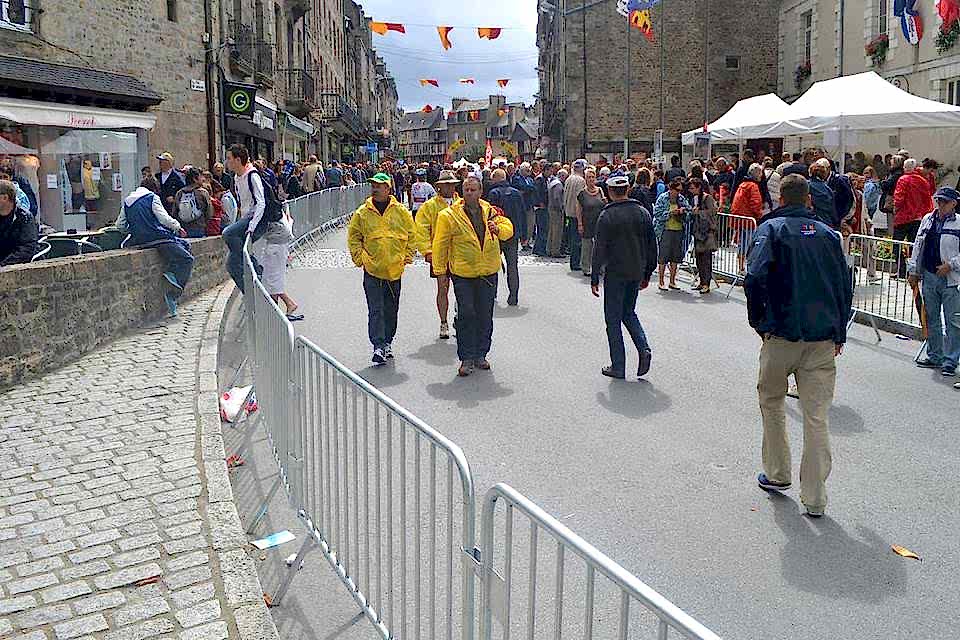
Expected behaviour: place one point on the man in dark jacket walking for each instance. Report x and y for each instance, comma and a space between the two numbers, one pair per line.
171, 181
625, 252
509, 200
18, 229
799, 298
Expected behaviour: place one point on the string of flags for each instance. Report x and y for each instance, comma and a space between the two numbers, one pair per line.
637, 13
472, 116
433, 82
484, 33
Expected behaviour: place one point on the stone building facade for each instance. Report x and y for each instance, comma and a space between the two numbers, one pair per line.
833, 43
584, 65
140, 39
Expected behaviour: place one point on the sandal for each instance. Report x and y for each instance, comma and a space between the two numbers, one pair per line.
674, 287
466, 368
294, 317
662, 288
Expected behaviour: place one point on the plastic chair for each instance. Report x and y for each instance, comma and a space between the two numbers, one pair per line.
61, 247
42, 253
109, 238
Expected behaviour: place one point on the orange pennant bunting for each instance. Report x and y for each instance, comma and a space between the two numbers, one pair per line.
501, 112
424, 82
445, 37
383, 27
503, 82
467, 81
427, 109
490, 33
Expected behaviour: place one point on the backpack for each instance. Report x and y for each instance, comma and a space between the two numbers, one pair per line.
187, 209
273, 206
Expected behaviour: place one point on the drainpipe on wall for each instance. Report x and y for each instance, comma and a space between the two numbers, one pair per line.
843, 6
209, 84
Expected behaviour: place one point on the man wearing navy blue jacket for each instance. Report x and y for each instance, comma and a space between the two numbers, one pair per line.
510, 201
799, 298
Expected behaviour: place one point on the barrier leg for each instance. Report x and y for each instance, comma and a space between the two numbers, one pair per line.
923, 346
292, 571
733, 285
236, 375
262, 511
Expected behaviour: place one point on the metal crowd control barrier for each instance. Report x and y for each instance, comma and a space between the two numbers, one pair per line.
314, 210
734, 236
369, 478
498, 594
880, 287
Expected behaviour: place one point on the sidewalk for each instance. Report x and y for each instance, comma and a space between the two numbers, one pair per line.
117, 519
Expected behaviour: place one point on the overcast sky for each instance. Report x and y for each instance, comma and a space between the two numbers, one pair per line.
417, 53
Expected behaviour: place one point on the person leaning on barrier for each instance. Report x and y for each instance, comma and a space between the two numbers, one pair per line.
251, 207
144, 217
426, 230
467, 244
625, 252
935, 265
18, 229
382, 239
799, 299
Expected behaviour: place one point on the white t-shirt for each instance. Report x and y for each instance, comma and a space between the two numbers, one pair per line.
420, 192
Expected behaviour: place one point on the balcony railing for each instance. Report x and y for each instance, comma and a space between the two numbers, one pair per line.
333, 107
242, 51
301, 91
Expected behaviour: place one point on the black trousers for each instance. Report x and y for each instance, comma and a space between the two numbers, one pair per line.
475, 302
705, 267
905, 232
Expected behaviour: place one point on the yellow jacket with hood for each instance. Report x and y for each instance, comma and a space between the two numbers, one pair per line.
456, 247
382, 244
427, 221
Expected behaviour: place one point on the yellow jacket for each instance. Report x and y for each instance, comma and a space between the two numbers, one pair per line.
456, 247
427, 221
382, 245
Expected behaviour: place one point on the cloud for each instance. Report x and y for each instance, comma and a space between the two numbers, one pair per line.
418, 54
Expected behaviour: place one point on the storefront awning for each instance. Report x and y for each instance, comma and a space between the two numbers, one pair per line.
69, 116
301, 127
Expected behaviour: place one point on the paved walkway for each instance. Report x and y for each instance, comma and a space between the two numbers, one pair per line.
116, 515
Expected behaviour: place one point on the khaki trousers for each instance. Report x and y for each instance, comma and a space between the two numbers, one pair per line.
813, 364
555, 234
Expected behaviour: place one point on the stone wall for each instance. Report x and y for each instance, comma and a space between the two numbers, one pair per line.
54, 311
746, 29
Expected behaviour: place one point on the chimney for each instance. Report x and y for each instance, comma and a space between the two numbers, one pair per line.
457, 102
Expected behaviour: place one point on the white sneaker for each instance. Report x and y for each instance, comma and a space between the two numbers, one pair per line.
388, 351
379, 357
444, 331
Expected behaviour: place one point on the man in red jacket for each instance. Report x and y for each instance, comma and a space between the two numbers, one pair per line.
912, 199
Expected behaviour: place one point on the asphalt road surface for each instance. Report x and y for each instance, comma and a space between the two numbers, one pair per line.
660, 474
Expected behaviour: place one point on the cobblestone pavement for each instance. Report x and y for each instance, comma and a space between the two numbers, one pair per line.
116, 515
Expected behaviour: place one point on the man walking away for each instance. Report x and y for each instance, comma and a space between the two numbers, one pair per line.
798, 299
18, 229
467, 243
150, 226
426, 231
381, 238
421, 191
571, 208
625, 252
675, 171
250, 219
510, 201
935, 262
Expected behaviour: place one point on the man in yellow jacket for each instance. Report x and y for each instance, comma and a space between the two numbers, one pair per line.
467, 244
426, 229
382, 239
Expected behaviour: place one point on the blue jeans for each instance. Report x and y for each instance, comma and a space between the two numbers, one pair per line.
234, 236
619, 307
936, 296
475, 302
179, 259
543, 223
383, 303
573, 244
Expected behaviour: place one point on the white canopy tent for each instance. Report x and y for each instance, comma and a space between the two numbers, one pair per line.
861, 103
749, 118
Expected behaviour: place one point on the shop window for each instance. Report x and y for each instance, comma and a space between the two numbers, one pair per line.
17, 14
172, 10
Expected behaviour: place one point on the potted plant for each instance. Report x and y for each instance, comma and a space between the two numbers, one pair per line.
947, 36
803, 72
877, 49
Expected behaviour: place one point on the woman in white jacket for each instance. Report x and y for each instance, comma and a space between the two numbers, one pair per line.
773, 185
